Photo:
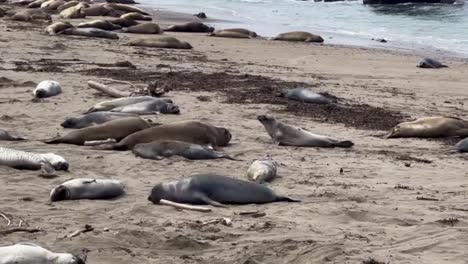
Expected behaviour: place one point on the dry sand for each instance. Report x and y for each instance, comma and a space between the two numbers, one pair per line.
370, 212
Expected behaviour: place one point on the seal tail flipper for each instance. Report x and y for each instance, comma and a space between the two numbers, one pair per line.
344, 144
226, 156
287, 199
54, 140
209, 201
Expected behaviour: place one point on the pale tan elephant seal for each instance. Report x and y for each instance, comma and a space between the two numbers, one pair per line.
164, 43
144, 28
115, 129
136, 16
125, 8
52, 4
262, 170
101, 24
299, 36
67, 5
36, 4
58, 27
241, 31
96, 10
431, 127
30, 14
74, 11
226, 33
286, 135
91, 32
123, 22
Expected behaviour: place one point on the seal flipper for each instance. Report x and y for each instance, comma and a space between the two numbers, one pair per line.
47, 168
286, 199
344, 144
54, 140
209, 201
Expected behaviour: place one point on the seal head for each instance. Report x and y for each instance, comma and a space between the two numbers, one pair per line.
59, 193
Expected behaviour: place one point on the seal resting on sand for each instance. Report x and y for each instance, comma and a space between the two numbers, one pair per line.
84, 188
47, 88
234, 33
304, 95
190, 27
109, 105
186, 131
74, 11
163, 43
115, 129
96, 10
30, 14
67, 5
58, 27
262, 170
4, 135
136, 16
27, 253
431, 127
125, 8
215, 190
144, 28
160, 149
462, 146
91, 32
148, 108
101, 24
286, 135
123, 22
22, 160
91, 119
430, 64
299, 36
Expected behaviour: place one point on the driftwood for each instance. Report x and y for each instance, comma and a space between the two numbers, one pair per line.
185, 206
18, 229
108, 90
87, 228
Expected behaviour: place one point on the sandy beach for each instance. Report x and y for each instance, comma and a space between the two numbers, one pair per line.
395, 201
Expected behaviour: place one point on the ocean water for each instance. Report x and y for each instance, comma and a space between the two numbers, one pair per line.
424, 27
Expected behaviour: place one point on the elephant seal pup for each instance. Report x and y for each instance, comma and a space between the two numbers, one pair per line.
241, 31
462, 146
115, 129
67, 5
91, 119
191, 27
186, 131
286, 135
57, 27
22, 160
304, 95
431, 127
109, 105
429, 63
47, 88
149, 108
215, 190
160, 149
262, 170
299, 36
136, 16
163, 43
229, 34
84, 188
125, 8
27, 253
123, 22
91, 32
101, 24
144, 28
74, 11
4, 135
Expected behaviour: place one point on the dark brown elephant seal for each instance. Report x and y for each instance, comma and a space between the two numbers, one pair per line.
101, 24
431, 127
144, 28
299, 36
123, 22
136, 16
58, 27
190, 27
96, 10
126, 2
163, 43
115, 129
52, 4
125, 8
186, 131
91, 32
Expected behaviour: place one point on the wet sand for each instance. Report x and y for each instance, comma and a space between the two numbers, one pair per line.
395, 201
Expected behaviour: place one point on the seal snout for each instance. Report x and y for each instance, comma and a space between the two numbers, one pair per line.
59, 193
62, 166
40, 93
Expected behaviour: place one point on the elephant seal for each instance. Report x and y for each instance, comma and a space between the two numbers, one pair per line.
431, 127
262, 170
241, 31
160, 149
57, 27
429, 63
149, 108
201, 15
229, 34
123, 22
84, 188
22, 160
462, 146
90, 32
67, 5
125, 8
74, 11
304, 95
96, 10
126, 2
52, 4
136, 16
35, 4
115, 129
30, 14
47, 88
28, 253
91, 119
163, 43
215, 190
286, 135
144, 28
299, 36
186, 131
101, 24
190, 27
109, 105
5, 135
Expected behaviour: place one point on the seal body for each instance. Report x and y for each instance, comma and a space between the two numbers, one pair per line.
286, 135
299, 36
215, 190
84, 188
67, 5
26, 253
305, 95
5, 135
74, 11
431, 127
58, 27
148, 108
115, 129
91, 119
109, 105
47, 88
144, 28
229, 34
190, 27
96, 10
186, 131
262, 170
123, 22
160, 149
430, 63
31, 161
30, 14
163, 43
101, 24
91, 32
136, 16
125, 8
462, 146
